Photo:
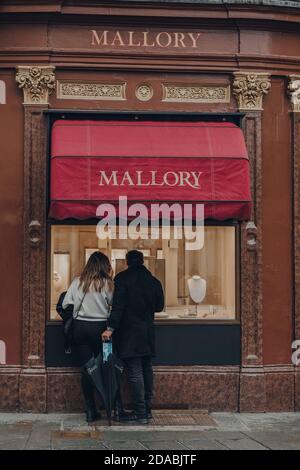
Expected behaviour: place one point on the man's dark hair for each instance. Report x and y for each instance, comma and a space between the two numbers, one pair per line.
134, 258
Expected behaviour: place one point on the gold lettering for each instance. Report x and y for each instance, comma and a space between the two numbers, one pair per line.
127, 178
179, 38
167, 179
139, 174
131, 43
194, 38
161, 39
118, 38
158, 39
99, 41
153, 179
196, 179
146, 44
108, 180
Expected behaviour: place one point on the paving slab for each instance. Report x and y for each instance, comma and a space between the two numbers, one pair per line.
77, 444
14, 437
230, 431
269, 421
229, 422
40, 436
150, 435
276, 440
203, 444
124, 445
215, 434
164, 445
241, 444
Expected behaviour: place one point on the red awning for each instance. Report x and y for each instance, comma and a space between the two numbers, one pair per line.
97, 161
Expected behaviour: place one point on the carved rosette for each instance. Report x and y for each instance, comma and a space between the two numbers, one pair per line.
294, 92
144, 92
37, 83
249, 89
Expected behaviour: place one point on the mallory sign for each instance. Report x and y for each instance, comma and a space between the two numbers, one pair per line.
145, 39
150, 178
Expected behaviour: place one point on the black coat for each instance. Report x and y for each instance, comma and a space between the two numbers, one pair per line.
138, 295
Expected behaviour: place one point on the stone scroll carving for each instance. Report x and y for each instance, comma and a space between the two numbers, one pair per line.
91, 91
294, 92
249, 90
37, 83
196, 94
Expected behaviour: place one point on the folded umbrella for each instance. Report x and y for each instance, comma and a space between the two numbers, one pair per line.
105, 372
93, 368
112, 372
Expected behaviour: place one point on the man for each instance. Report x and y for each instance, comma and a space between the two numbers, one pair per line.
137, 296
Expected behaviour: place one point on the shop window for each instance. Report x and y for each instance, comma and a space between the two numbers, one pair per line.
215, 265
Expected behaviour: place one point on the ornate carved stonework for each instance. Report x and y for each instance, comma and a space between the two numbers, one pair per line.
251, 234
249, 89
90, 91
144, 92
196, 94
294, 92
37, 83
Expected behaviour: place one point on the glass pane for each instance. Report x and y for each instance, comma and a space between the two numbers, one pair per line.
198, 284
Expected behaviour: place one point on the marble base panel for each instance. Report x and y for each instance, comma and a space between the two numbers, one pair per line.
33, 391
9, 389
297, 389
173, 389
280, 390
252, 392
212, 389
64, 392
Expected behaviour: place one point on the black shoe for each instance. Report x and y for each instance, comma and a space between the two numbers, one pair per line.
126, 417
122, 415
132, 418
149, 414
141, 421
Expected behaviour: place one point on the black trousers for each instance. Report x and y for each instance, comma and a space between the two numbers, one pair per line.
140, 378
88, 343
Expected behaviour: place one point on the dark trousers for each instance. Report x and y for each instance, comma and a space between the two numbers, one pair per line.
88, 343
140, 378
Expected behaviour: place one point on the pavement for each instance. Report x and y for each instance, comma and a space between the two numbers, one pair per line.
214, 431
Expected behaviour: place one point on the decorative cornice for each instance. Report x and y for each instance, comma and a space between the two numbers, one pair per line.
294, 92
249, 89
90, 91
196, 94
37, 83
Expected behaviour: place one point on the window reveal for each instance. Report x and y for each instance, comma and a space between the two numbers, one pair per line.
168, 260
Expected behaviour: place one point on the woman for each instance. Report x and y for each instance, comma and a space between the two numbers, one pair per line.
91, 295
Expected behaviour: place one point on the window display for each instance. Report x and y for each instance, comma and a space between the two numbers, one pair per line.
198, 284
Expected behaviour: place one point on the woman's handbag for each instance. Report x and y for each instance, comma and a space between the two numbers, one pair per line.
68, 317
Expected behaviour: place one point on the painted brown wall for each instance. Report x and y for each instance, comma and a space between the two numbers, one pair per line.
11, 207
277, 226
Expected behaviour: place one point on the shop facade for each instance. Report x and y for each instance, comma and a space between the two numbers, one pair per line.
112, 82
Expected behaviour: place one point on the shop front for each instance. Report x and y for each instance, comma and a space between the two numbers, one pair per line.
176, 135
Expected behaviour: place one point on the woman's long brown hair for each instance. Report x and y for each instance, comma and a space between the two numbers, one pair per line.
96, 273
